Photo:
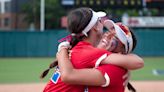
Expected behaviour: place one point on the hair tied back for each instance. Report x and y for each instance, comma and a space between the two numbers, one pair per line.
67, 38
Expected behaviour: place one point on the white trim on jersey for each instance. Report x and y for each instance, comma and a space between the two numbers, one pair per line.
100, 59
106, 76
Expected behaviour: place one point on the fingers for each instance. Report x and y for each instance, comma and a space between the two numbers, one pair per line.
109, 35
119, 23
109, 25
127, 78
64, 44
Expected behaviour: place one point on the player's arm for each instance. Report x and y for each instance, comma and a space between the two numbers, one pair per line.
128, 61
78, 76
82, 76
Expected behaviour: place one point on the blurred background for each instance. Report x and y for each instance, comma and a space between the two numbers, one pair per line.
30, 30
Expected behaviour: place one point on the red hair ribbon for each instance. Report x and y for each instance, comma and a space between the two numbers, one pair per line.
67, 38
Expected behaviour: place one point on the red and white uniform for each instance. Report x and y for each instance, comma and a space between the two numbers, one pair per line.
115, 74
83, 55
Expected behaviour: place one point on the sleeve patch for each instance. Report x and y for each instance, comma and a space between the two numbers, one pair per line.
55, 77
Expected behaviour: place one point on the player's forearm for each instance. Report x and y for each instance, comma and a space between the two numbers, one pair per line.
130, 61
134, 62
77, 76
91, 77
64, 63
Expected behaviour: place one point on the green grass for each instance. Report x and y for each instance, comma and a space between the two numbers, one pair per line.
25, 70
146, 72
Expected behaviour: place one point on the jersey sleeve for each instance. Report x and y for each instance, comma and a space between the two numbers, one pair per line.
99, 56
88, 58
111, 72
105, 74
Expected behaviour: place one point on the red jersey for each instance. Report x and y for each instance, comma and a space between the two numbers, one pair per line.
115, 74
83, 55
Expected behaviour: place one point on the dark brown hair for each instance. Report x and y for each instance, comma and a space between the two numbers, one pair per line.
78, 19
130, 86
134, 39
45, 72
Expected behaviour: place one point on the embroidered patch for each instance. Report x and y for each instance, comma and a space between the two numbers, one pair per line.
55, 77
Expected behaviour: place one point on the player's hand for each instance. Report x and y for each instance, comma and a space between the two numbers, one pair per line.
127, 78
64, 44
106, 41
127, 83
62, 47
108, 24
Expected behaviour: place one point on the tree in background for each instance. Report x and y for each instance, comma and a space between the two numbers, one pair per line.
53, 13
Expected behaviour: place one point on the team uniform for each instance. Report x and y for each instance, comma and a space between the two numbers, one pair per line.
115, 74
83, 55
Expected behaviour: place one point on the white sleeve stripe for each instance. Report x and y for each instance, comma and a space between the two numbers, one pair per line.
100, 59
107, 80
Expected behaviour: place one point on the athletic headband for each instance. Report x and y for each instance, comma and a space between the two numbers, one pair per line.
123, 34
128, 36
95, 17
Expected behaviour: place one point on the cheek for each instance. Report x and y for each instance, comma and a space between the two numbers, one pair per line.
100, 28
121, 48
99, 31
113, 45
116, 46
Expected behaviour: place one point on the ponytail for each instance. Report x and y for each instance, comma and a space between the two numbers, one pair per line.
76, 38
45, 72
74, 41
130, 87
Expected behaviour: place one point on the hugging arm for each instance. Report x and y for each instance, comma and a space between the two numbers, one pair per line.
93, 76
128, 61
77, 76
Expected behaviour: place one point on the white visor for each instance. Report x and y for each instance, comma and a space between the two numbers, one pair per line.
94, 19
125, 39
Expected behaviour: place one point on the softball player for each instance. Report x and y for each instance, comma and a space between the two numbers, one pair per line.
81, 22
84, 55
115, 73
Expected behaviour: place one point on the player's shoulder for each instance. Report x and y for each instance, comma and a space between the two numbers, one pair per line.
101, 51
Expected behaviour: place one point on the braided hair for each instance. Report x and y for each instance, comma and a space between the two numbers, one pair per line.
78, 19
45, 72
